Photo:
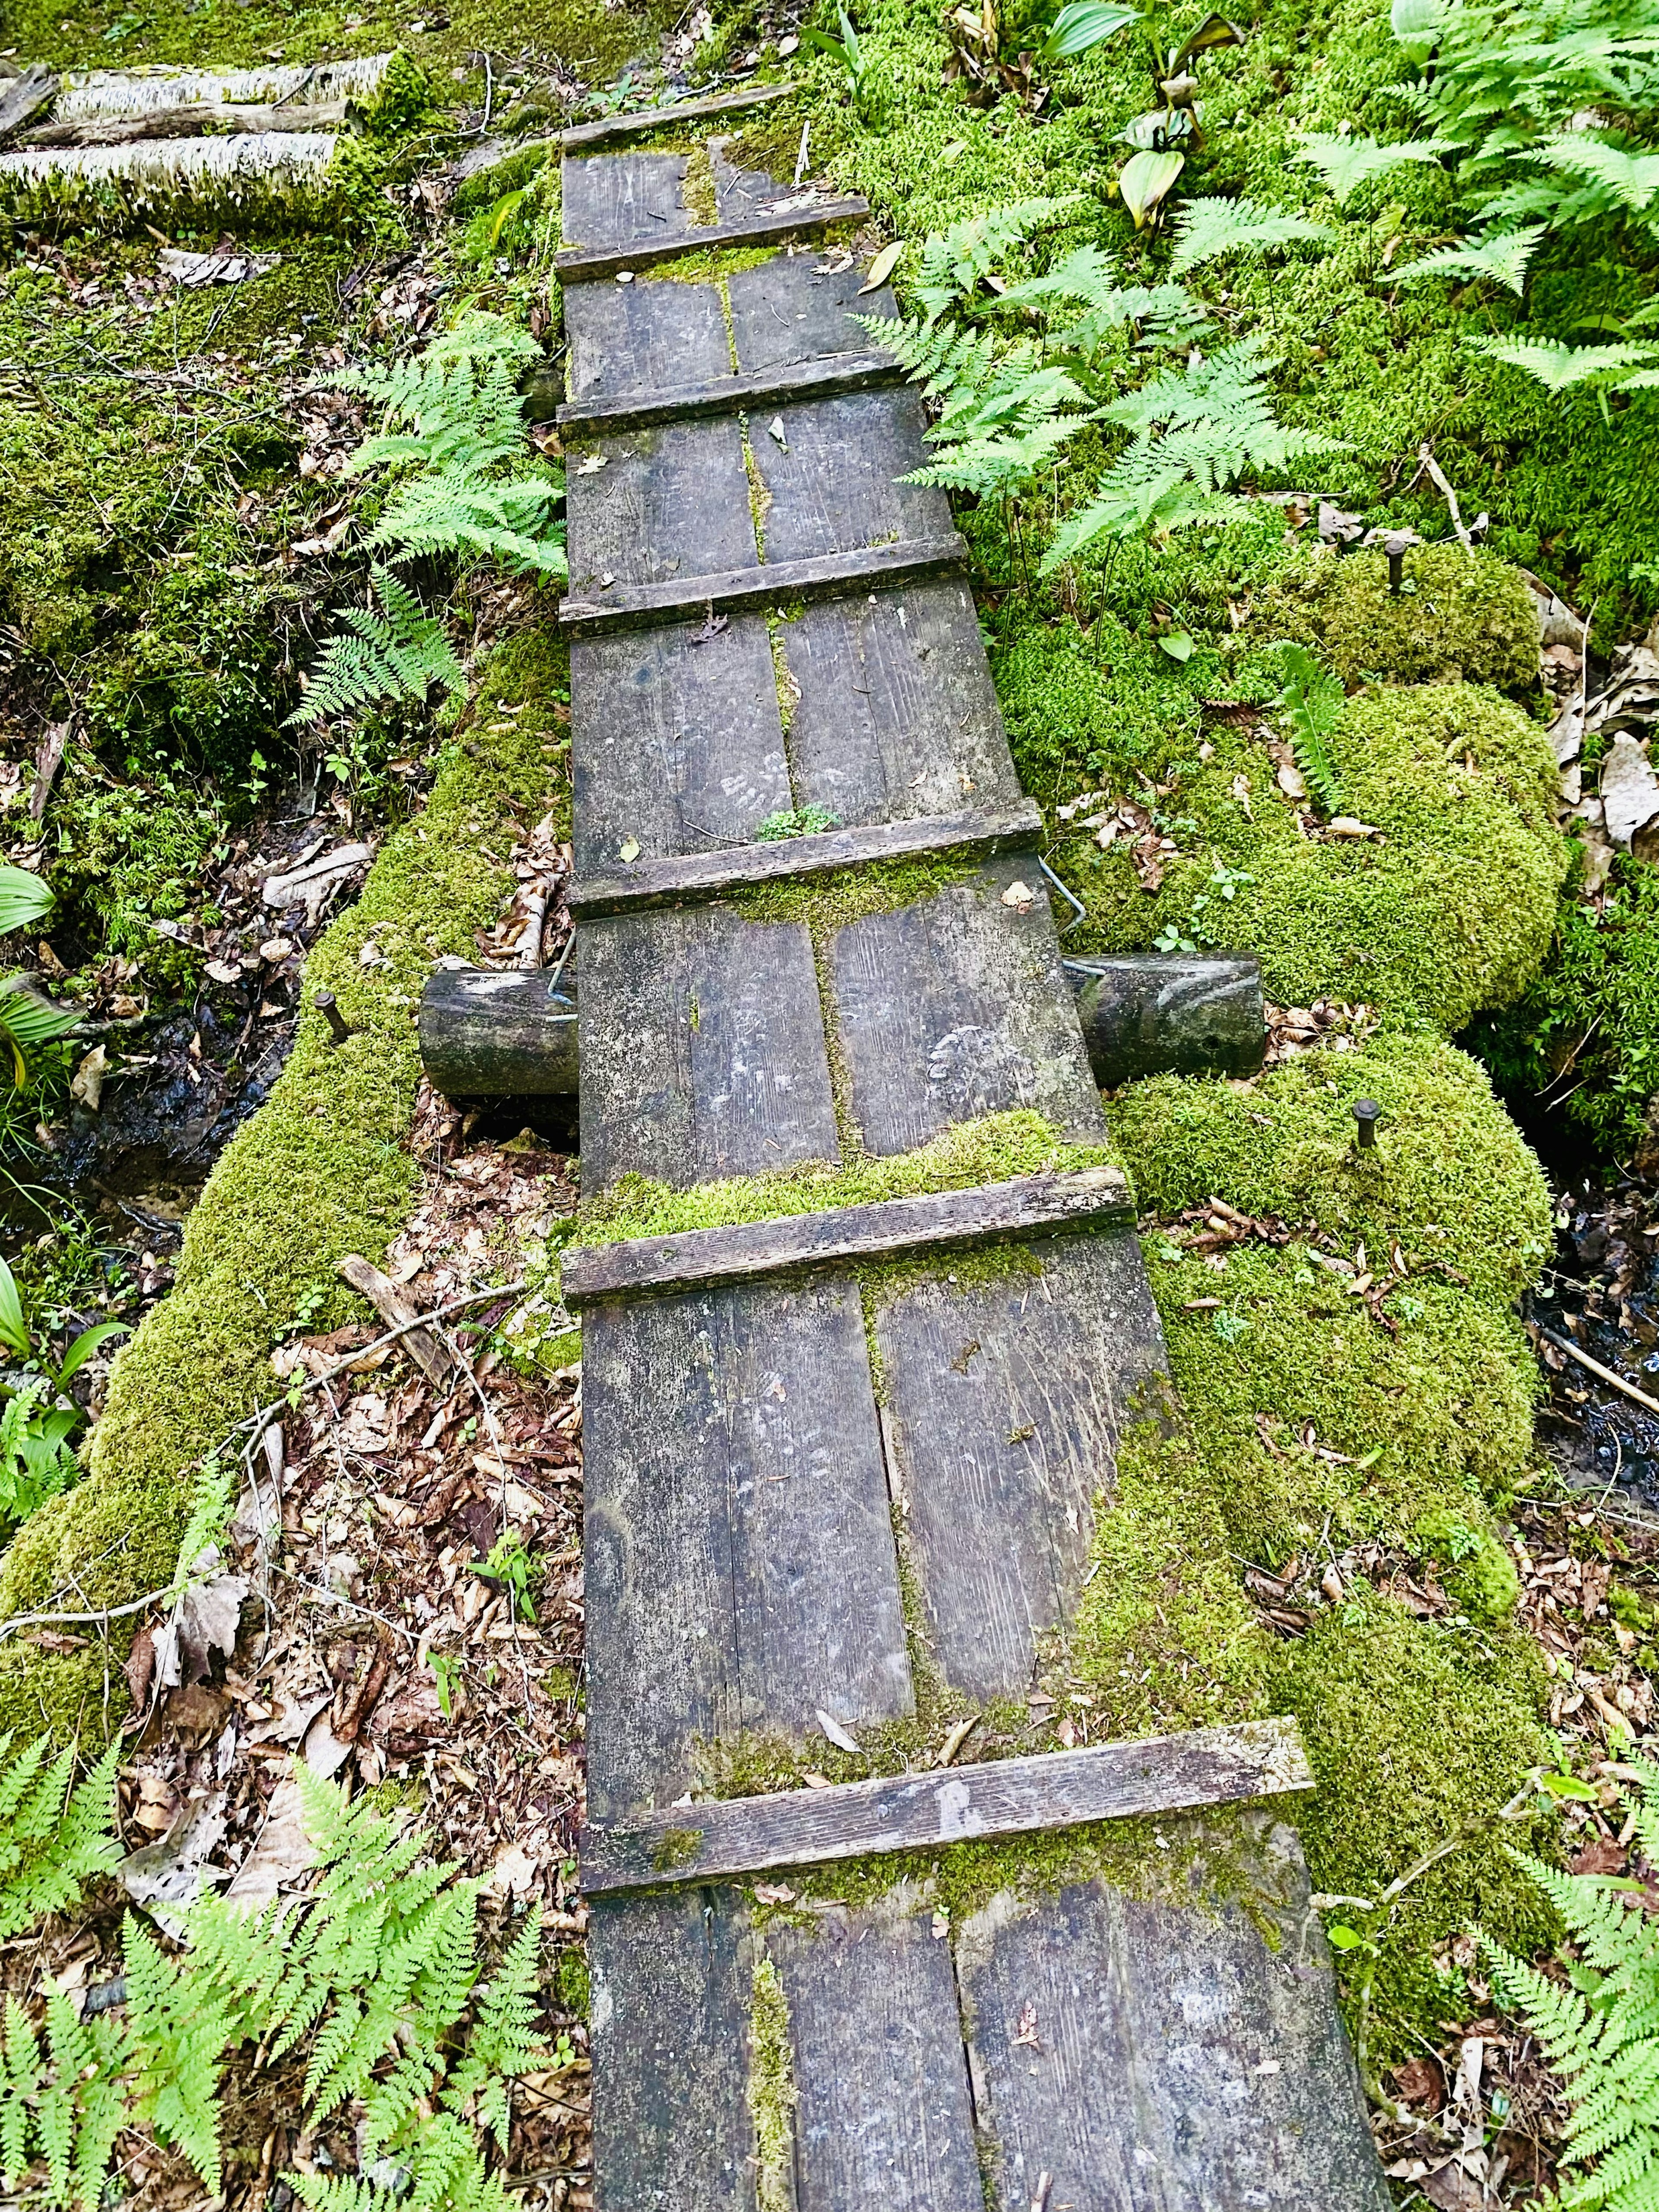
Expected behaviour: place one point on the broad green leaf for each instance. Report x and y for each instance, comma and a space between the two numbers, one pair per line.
24, 898
1569, 1786
1146, 181
14, 1329
1177, 645
1213, 30
87, 1343
1081, 26
1342, 1938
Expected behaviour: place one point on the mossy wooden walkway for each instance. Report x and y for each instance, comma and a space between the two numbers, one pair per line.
838, 1463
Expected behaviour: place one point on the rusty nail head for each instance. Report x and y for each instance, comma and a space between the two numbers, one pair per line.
328, 1007
1367, 1113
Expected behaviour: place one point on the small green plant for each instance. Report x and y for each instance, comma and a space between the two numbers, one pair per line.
846, 49
1313, 699
26, 1021
1599, 2026
400, 657
446, 1673
515, 1569
796, 821
36, 1460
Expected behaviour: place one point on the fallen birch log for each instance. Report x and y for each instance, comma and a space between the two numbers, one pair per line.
192, 122
491, 1033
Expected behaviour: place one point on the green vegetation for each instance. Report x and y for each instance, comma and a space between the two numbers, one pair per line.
380, 1958
1601, 2032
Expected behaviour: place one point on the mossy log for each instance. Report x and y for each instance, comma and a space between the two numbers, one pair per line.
193, 121
493, 1033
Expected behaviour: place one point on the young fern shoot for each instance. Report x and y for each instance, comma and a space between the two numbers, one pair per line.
400, 657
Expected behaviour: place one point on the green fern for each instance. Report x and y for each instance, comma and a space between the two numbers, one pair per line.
1207, 229
1003, 410
54, 1837
1312, 700
399, 658
452, 429
956, 262
1602, 2035
1346, 163
1500, 255
503, 2043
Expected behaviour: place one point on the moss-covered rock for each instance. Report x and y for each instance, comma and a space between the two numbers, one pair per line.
1450, 1180
1447, 909
1457, 617
321, 1169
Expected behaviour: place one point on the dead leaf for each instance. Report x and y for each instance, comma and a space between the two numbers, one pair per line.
175, 1870
281, 1851
514, 1873
837, 1735
88, 1086
1630, 790
1020, 896
882, 267
204, 1621
1346, 826
139, 1668
628, 851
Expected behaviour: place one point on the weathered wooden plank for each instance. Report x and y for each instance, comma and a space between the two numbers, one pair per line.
613, 200
1151, 1013
633, 338
800, 307
702, 1051
725, 395
676, 741
1153, 2056
648, 882
657, 507
883, 2119
831, 477
671, 1983
896, 715
487, 1032
1005, 1402
957, 1006
989, 1213
623, 607
741, 1572
677, 112
739, 191
917, 1812
583, 264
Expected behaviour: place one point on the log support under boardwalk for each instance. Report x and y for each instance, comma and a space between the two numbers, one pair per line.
499, 1033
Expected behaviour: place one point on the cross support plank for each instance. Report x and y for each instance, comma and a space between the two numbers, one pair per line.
826, 378
831, 576
686, 875
992, 1212
610, 127
918, 1812
583, 264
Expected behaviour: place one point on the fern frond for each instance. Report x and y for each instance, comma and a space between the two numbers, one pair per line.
399, 658
1207, 229
1500, 255
956, 262
449, 513
1346, 164
53, 1839
1313, 699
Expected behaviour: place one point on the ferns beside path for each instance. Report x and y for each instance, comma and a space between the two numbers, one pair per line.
372, 1976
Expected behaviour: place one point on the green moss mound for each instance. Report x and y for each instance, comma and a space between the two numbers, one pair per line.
321, 1169
1447, 910
1457, 617
1450, 1180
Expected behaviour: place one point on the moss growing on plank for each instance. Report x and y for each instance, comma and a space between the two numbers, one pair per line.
990, 1150
771, 2089
1457, 617
1450, 1180
321, 1169
1447, 911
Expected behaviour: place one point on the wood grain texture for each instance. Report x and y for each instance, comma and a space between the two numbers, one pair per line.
897, 715
491, 1032
1173, 2060
665, 505
833, 477
990, 1212
917, 1812
671, 1979
800, 307
633, 338
1151, 1014
582, 264
884, 2121
677, 741
956, 1007
702, 1051
611, 128
612, 200
741, 1572
1005, 1402
651, 883
725, 395
624, 607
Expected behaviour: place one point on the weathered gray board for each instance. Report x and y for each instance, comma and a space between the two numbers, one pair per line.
1149, 2053
718, 1418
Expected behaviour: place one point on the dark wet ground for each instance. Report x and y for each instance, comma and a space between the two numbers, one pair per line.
1602, 1297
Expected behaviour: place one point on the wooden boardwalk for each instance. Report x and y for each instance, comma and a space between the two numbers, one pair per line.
806, 1483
